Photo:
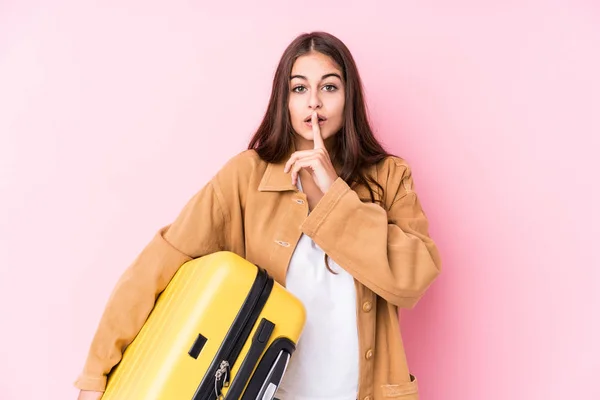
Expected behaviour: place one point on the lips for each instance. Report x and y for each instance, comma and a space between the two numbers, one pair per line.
319, 116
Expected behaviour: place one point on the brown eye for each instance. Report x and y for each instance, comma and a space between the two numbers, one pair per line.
297, 89
330, 88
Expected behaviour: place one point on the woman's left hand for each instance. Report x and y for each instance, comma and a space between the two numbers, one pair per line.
316, 161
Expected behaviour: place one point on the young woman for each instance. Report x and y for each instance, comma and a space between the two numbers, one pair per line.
318, 203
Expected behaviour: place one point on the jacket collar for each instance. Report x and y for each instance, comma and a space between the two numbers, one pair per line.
274, 179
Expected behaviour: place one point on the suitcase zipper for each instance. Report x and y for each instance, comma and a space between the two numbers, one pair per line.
219, 374
223, 370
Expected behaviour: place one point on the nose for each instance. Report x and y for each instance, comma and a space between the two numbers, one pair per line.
315, 100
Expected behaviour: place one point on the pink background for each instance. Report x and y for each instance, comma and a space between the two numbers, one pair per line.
113, 113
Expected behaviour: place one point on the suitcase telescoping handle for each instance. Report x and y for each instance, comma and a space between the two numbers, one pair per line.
269, 373
259, 343
271, 383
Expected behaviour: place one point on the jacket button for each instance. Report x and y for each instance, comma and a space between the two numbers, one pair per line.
367, 398
369, 354
299, 201
367, 306
282, 243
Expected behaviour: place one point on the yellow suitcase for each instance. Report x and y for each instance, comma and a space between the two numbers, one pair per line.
222, 328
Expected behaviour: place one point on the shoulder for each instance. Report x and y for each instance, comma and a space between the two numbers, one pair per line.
392, 162
245, 158
240, 171
242, 164
394, 175
393, 170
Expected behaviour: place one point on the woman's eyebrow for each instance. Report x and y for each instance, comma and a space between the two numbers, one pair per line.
322, 78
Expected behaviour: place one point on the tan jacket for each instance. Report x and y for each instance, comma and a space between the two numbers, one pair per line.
250, 207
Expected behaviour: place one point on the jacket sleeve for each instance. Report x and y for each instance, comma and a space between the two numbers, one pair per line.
390, 252
201, 228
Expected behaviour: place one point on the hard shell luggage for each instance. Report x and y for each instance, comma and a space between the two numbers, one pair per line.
222, 328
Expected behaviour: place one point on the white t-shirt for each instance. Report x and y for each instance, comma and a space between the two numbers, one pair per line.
324, 365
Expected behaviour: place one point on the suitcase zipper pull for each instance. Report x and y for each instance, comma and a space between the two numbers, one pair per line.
224, 373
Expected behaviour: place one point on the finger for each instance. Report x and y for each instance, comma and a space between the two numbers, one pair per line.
303, 163
297, 156
317, 138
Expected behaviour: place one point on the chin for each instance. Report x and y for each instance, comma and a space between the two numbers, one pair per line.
310, 136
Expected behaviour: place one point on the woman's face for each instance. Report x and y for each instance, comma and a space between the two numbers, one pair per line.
315, 85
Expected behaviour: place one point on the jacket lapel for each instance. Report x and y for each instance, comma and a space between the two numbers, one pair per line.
275, 180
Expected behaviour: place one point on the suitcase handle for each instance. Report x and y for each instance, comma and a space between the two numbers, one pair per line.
270, 370
269, 387
259, 343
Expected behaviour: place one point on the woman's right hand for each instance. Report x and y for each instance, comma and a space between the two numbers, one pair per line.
89, 395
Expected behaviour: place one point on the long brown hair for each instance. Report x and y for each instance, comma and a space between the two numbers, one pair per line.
355, 147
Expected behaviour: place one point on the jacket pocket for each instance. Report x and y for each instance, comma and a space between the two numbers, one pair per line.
403, 391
